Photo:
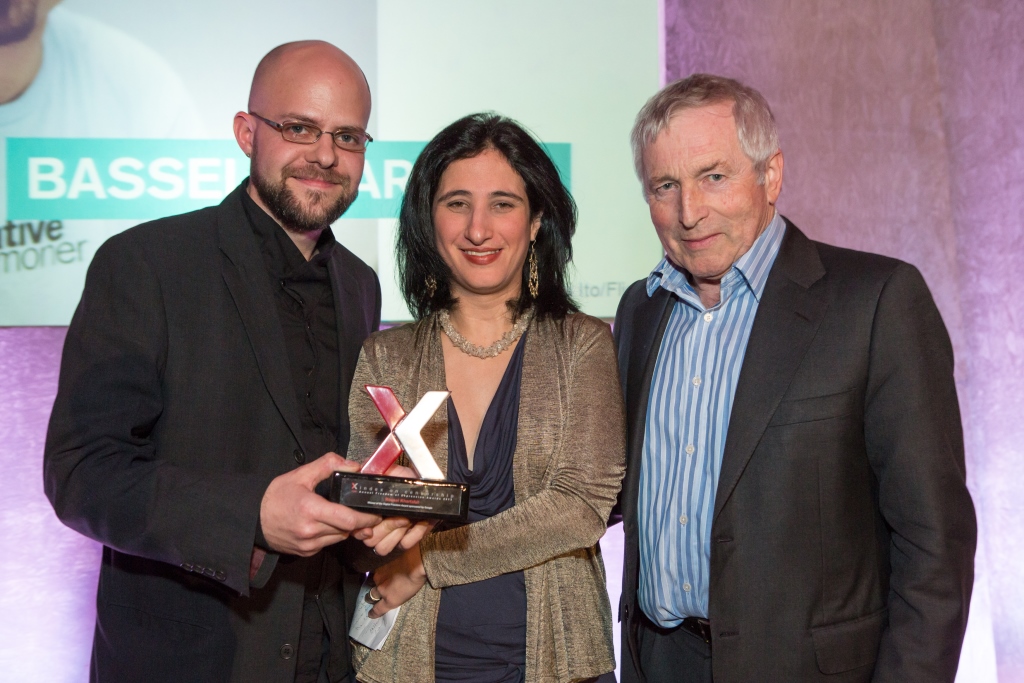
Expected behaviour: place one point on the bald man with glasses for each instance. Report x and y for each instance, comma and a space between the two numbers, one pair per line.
204, 394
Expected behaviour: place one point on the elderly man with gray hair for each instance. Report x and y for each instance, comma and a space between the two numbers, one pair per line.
795, 502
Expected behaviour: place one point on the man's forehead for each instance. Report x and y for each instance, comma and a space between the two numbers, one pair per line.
702, 125
696, 136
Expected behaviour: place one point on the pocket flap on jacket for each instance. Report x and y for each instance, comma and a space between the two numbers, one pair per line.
849, 644
794, 411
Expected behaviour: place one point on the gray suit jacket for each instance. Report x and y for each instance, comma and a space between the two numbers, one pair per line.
175, 410
843, 532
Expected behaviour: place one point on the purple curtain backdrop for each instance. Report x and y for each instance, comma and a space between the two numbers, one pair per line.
981, 68
903, 134
47, 572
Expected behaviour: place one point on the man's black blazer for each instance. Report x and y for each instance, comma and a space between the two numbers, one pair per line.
175, 409
843, 533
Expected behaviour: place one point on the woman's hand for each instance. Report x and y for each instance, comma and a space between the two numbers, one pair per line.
397, 532
397, 582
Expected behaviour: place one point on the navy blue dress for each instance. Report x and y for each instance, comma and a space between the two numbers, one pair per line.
481, 626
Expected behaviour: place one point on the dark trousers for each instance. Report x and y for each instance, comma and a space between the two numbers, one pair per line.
671, 655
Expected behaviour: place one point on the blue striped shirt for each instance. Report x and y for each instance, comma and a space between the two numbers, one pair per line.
692, 390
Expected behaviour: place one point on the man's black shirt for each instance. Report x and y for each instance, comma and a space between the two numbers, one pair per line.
305, 307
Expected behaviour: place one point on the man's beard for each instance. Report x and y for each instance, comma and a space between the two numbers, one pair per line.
287, 208
17, 20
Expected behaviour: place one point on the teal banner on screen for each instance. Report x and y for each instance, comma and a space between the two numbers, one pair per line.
91, 178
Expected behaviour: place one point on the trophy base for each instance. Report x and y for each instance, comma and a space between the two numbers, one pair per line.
400, 497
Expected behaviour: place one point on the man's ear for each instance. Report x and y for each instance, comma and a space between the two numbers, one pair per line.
773, 177
245, 128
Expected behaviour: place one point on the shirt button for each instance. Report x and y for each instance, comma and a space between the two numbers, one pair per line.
684, 519
696, 381
287, 651
708, 317
690, 449
687, 587
300, 457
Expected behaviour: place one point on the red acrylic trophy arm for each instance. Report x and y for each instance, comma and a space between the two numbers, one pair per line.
388, 405
391, 410
384, 457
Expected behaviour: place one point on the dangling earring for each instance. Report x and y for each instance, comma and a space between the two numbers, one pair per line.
431, 284
533, 281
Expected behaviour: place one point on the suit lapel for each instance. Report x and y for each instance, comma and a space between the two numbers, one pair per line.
245, 275
649, 322
787, 319
350, 334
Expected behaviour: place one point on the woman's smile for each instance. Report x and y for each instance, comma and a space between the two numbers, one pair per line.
481, 258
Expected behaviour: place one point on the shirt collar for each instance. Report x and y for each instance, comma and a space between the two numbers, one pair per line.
752, 267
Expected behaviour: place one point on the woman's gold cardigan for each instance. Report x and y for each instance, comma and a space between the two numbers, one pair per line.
568, 467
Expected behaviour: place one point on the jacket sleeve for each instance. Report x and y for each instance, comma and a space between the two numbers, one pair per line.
102, 470
572, 511
915, 446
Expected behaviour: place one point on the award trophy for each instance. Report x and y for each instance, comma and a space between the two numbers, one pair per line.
430, 496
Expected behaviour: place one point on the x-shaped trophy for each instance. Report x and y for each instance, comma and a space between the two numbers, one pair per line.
430, 496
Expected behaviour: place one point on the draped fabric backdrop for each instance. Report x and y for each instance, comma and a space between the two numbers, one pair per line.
902, 128
903, 133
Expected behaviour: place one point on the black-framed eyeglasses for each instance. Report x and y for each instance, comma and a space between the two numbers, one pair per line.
348, 139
